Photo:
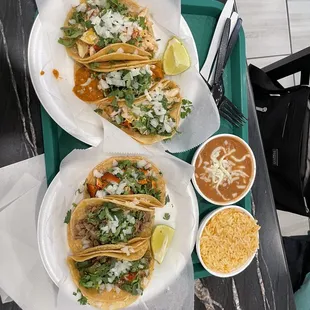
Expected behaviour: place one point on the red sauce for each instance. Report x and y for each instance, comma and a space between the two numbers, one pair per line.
224, 169
90, 92
55, 73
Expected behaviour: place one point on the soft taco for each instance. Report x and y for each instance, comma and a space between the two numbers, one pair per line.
126, 175
124, 84
111, 30
111, 283
101, 224
151, 119
131, 251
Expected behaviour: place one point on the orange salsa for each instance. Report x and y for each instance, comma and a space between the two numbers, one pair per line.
224, 169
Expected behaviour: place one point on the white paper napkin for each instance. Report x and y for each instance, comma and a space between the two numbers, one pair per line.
22, 275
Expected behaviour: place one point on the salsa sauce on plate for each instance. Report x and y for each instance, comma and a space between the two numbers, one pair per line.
224, 169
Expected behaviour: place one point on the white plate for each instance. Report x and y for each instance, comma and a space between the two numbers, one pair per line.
53, 248
39, 59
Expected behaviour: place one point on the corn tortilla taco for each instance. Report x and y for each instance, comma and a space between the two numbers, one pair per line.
151, 119
102, 224
131, 251
124, 84
101, 31
126, 175
111, 283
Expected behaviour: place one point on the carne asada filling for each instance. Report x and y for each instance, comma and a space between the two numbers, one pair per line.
108, 224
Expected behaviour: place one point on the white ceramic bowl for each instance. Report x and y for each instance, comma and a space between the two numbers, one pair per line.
203, 223
233, 201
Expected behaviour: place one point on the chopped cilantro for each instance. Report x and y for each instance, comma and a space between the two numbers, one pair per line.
82, 300
94, 65
74, 205
88, 24
68, 217
66, 42
103, 42
78, 191
116, 6
186, 108
99, 111
167, 199
74, 293
141, 22
166, 216
72, 32
78, 17
114, 104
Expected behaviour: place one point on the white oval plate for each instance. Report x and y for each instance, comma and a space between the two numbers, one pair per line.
39, 59
53, 248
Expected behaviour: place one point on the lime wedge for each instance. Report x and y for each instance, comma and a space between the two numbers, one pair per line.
176, 59
160, 241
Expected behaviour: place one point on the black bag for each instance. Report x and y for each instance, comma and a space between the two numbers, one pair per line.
283, 117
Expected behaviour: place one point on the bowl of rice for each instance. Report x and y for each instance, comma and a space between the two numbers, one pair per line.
227, 241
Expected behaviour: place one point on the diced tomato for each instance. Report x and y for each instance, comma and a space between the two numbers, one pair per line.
135, 33
144, 171
92, 189
143, 181
153, 184
158, 72
97, 48
126, 124
110, 177
130, 276
101, 184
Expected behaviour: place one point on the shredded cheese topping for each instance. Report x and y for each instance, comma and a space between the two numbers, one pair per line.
224, 169
228, 240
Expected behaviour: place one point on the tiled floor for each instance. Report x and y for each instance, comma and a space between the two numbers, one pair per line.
274, 29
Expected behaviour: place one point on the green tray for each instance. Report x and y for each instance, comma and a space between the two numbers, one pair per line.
201, 16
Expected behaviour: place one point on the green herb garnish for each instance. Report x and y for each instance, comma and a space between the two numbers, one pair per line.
66, 42
74, 205
78, 191
186, 108
72, 32
167, 199
99, 111
142, 22
98, 271
94, 65
82, 300
68, 217
166, 216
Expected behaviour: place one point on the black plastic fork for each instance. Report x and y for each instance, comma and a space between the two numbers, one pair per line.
226, 108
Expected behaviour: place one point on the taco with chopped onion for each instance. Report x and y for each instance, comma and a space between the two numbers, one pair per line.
153, 118
100, 224
108, 282
111, 30
126, 175
118, 85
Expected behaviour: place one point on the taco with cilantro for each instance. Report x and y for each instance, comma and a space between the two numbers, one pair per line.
111, 30
151, 119
107, 282
127, 175
103, 224
125, 85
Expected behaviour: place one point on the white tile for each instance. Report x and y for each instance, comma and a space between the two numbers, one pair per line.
266, 27
299, 13
263, 62
292, 224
